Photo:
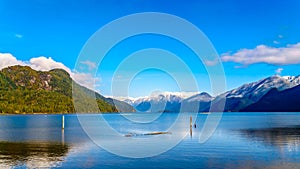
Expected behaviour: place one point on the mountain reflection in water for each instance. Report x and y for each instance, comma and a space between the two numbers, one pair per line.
33, 154
242, 140
279, 137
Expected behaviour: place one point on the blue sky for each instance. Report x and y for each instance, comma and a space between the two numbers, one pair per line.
59, 29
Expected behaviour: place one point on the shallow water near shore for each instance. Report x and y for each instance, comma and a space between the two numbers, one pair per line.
242, 140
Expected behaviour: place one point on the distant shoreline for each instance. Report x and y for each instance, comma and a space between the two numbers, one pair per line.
57, 113
202, 113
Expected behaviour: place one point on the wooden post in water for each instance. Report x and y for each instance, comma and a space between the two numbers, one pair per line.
191, 124
63, 122
63, 137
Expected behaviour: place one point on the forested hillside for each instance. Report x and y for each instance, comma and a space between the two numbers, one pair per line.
24, 90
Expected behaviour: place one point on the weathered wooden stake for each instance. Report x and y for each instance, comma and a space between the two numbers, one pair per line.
63, 137
191, 124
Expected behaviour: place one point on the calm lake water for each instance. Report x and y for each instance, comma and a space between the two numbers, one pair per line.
242, 140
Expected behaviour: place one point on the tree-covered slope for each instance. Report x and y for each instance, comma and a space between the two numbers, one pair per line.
24, 90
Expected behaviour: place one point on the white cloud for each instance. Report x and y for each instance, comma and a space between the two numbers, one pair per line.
91, 65
278, 71
276, 42
265, 54
45, 64
7, 59
280, 36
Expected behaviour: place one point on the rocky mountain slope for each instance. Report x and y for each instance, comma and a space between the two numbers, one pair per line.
24, 90
275, 100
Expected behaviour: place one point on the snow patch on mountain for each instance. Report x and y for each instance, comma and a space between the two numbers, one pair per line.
158, 97
201, 97
257, 89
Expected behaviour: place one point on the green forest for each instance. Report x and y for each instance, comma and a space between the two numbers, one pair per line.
24, 90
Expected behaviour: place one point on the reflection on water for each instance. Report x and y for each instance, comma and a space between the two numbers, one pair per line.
280, 136
33, 154
242, 140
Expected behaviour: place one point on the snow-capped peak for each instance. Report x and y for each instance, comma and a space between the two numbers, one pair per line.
257, 89
205, 97
158, 97
289, 77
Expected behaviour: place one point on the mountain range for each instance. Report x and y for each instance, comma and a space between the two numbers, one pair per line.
24, 90
170, 102
264, 95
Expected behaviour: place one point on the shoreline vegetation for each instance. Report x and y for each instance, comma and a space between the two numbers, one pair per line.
60, 113
202, 113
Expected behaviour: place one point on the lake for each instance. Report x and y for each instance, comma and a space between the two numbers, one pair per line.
241, 140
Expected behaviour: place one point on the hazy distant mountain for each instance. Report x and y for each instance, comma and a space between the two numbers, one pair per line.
169, 102
157, 103
24, 90
277, 101
200, 102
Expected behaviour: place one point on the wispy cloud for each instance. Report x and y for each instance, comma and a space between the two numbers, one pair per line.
210, 62
86, 79
89, 64
19, 35
265, 54
279, 70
